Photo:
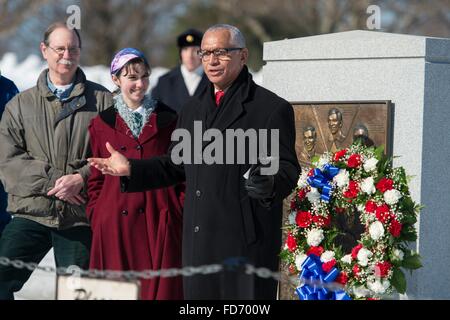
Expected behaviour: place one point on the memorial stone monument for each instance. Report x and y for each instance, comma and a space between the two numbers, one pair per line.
413, 73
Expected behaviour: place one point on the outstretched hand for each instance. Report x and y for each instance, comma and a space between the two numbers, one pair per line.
115, 165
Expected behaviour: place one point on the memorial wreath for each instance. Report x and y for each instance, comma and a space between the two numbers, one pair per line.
358, 181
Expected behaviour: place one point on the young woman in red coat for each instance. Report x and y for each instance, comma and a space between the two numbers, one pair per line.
141, 230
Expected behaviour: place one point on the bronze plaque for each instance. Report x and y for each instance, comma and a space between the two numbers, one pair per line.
330, 126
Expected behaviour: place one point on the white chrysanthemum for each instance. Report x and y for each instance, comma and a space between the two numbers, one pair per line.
376, 230
303, 180
314, 237
370, 164
313, 195
363, 257
398, 254
342, 178
368, 186
291, 217
377, 286
347, 259
391, 197
323, 160
327, 256
361, 292
299, 259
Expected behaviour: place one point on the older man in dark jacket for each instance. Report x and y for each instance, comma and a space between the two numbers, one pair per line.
225, 215
43, 149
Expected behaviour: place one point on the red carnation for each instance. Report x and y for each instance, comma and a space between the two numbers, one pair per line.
371, 206
354, 161
382, 213
311, 173
315, 250
355, 250
352, 190
327, 221
303, 219
291, 243
339, 154
382, 269
384, 185
342, 278
301, 194
293, 204
395, 228
356, 270
327, 266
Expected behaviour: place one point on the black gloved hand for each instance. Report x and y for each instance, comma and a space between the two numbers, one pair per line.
259, 186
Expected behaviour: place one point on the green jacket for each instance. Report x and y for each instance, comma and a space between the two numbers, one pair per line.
42, 139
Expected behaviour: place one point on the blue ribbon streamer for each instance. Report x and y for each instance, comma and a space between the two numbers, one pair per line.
315, 278
321, 178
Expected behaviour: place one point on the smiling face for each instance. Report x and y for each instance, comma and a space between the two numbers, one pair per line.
309, 139
133, 81
62, 66
224, 70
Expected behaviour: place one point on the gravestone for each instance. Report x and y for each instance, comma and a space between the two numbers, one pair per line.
413, 73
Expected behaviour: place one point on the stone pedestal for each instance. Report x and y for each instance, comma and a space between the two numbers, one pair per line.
414, 73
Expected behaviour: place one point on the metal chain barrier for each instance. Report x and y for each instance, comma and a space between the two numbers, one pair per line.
229, 264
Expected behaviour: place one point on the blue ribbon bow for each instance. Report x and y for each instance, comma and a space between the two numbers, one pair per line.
321, 178
314, 289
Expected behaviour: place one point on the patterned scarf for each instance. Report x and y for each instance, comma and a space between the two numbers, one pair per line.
134, 123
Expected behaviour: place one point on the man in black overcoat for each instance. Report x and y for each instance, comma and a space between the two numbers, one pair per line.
188, 78
232, 208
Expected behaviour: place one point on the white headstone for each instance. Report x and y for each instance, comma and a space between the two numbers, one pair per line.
414, 73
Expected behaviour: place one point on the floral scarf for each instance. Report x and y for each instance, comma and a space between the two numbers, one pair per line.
126, 114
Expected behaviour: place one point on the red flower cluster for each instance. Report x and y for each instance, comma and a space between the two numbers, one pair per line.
355, 250
291, 243
383, 213
395, 228
384, 185
315, 250
342, 278
327, 266
321, 221
382, 269
303, 219
354, 161
371, 206
301, 194
352, 190
338, 155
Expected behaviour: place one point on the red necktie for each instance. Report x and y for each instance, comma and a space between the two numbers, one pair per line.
219, 96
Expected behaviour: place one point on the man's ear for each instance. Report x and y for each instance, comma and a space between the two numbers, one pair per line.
244, 56
43, 49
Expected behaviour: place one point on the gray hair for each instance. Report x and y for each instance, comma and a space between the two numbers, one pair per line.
237, 38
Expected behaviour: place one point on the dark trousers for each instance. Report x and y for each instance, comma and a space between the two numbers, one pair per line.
29, 241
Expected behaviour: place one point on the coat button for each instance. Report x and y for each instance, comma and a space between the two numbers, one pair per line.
123, 148
139, 147
141, 210
124, 212
196, 229
198, 193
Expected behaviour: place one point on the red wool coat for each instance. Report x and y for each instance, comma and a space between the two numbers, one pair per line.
140, 230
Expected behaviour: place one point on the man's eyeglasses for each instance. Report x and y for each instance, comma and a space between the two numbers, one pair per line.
73, 51
221, 54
